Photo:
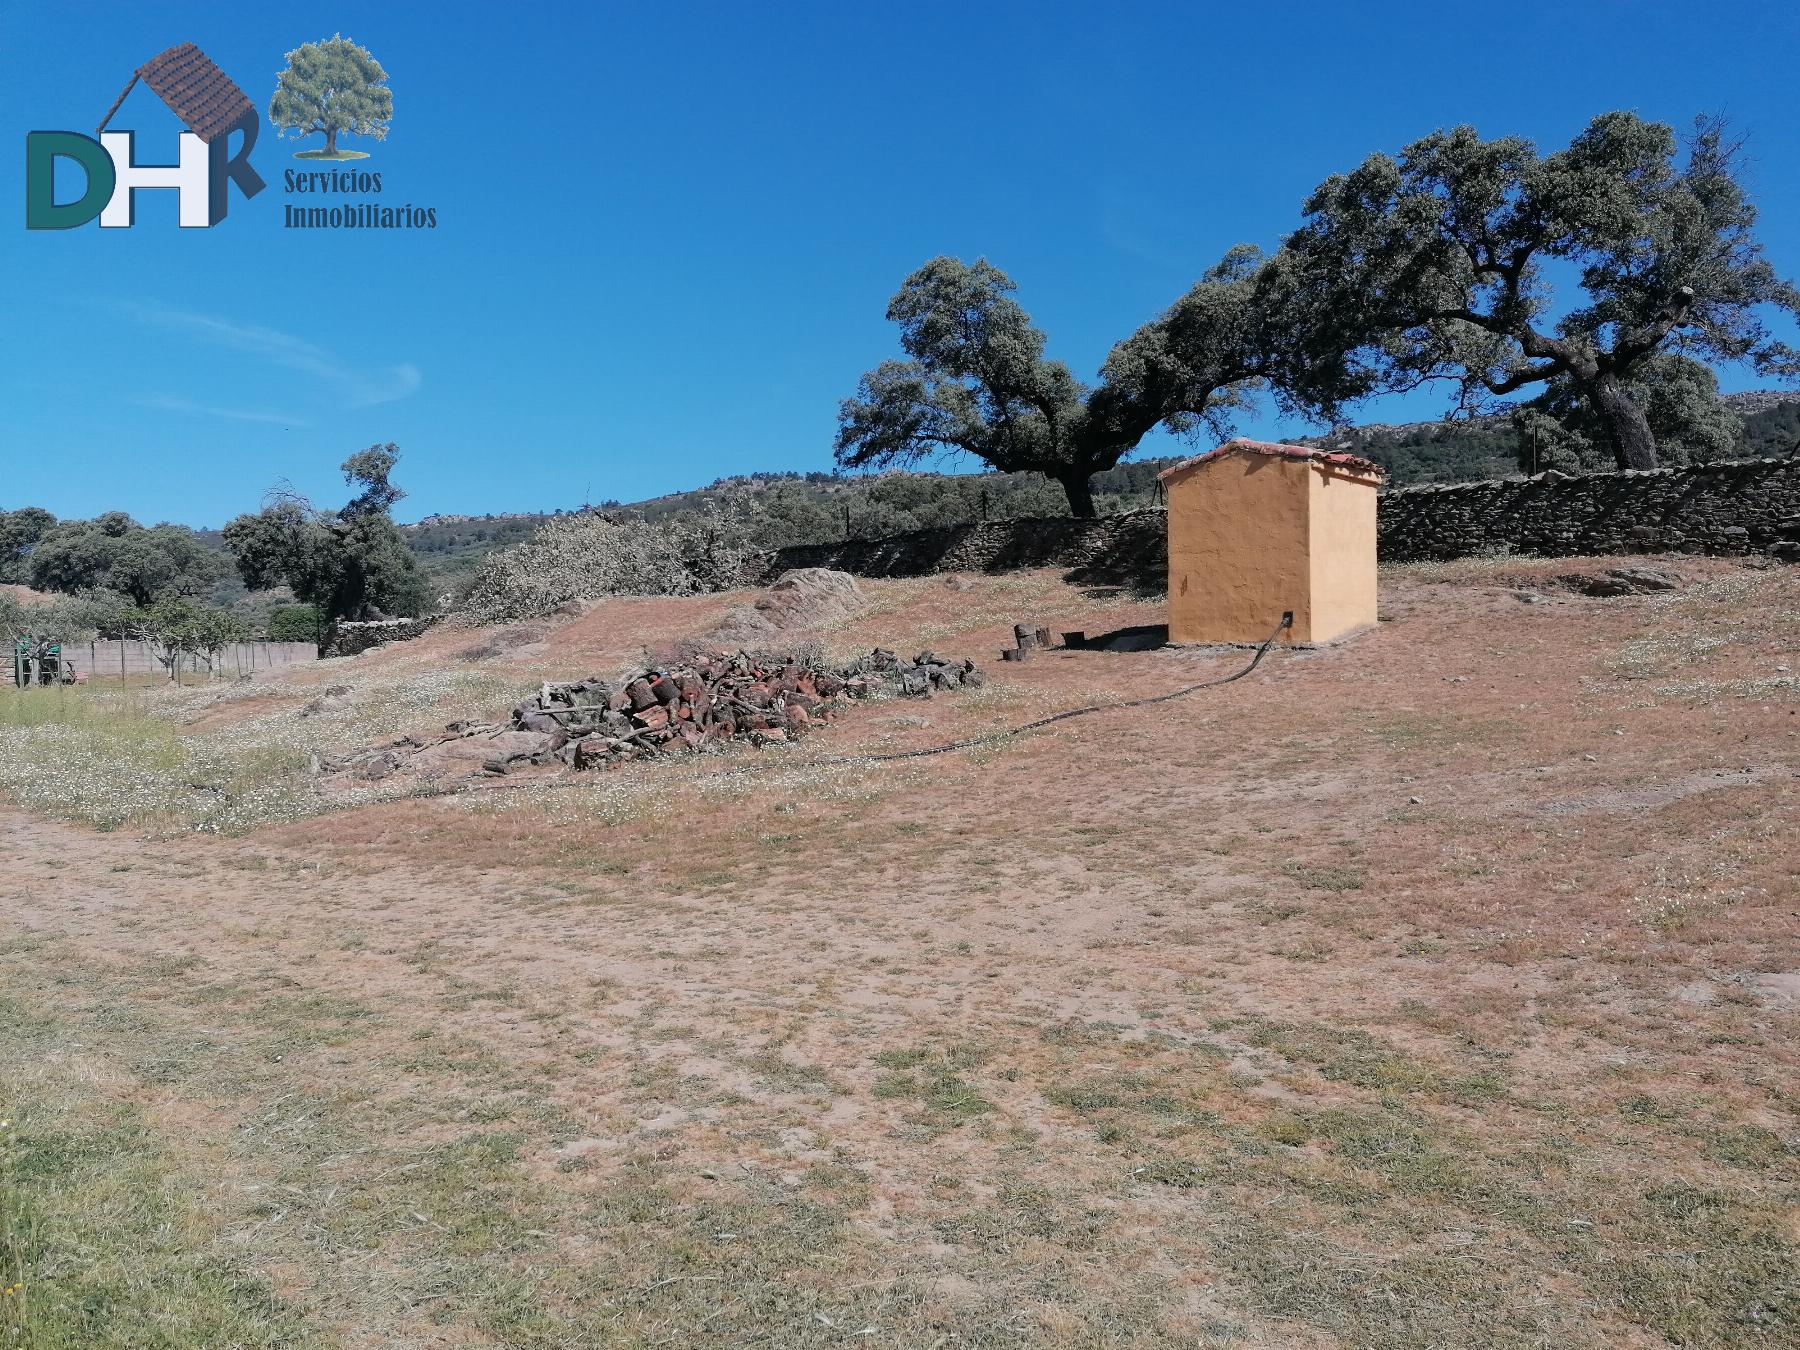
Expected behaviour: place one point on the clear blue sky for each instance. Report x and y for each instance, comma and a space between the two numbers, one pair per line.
667, 233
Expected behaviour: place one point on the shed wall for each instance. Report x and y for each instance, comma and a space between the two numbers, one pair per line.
1238, 548
1341, 558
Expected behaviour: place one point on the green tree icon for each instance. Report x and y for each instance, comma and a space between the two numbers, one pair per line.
332, 87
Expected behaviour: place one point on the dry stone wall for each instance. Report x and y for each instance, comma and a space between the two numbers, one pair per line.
1133, 541
352, 637
1742, 506
1738, 507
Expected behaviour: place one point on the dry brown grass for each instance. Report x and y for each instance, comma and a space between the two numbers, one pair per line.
1435, 990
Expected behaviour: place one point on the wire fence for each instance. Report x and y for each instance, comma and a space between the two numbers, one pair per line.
132, 662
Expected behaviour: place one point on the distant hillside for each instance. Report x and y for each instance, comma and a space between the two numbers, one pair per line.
1488, 447
450, 548
794, 508
1749, 402
818, 508
1771, 428
1434, 452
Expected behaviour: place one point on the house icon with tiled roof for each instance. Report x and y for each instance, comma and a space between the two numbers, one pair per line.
206, 99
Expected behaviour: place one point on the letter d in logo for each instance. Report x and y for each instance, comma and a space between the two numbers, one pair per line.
42, 150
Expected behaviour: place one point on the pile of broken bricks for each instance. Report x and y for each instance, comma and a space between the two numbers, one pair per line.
594, 723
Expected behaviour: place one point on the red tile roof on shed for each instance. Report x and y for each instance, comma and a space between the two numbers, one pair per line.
1336, 459
197, 91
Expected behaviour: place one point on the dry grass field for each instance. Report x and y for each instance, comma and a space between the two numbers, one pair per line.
1440, 989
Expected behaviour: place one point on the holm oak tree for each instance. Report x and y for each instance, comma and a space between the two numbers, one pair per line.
977, 381
1447, 258
332, 88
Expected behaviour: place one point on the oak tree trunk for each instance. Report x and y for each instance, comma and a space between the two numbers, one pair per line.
1633, 443
331, 140
1080, 491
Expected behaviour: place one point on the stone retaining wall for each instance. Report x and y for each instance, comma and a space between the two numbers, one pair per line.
1742, 506
1739, 507
352, 637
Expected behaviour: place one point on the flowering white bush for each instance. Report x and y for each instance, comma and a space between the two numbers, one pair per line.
591, 555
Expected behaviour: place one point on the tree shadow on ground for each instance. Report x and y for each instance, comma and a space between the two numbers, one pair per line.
1107, 580
1141, 637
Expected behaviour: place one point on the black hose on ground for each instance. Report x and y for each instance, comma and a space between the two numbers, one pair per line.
987, 738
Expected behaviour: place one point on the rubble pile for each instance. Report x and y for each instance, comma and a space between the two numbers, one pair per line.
1622, 581
593, 723
801, 598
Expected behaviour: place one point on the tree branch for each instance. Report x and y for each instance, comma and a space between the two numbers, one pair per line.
1628, 348
1520, 378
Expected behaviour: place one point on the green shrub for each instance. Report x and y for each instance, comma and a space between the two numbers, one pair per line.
295, 623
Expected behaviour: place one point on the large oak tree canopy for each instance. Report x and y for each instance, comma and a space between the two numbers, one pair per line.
113, 552
1438, 264
977, 381
1253, 324
1446, 256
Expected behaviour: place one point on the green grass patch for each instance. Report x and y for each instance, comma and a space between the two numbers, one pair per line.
1327, 878
1353, 1056
103, 1242
934, 1078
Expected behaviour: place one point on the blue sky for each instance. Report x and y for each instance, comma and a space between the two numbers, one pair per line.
667, 234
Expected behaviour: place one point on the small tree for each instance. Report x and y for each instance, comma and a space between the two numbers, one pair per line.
13, 622
39, 627
352, 564
175, 628
295, 623
166, 629
213, 631
332, 88
1444, 256
106, 613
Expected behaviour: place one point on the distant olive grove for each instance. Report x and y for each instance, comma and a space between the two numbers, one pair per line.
285, 573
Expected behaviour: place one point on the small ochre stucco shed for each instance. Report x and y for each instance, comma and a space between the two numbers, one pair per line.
1257, 529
